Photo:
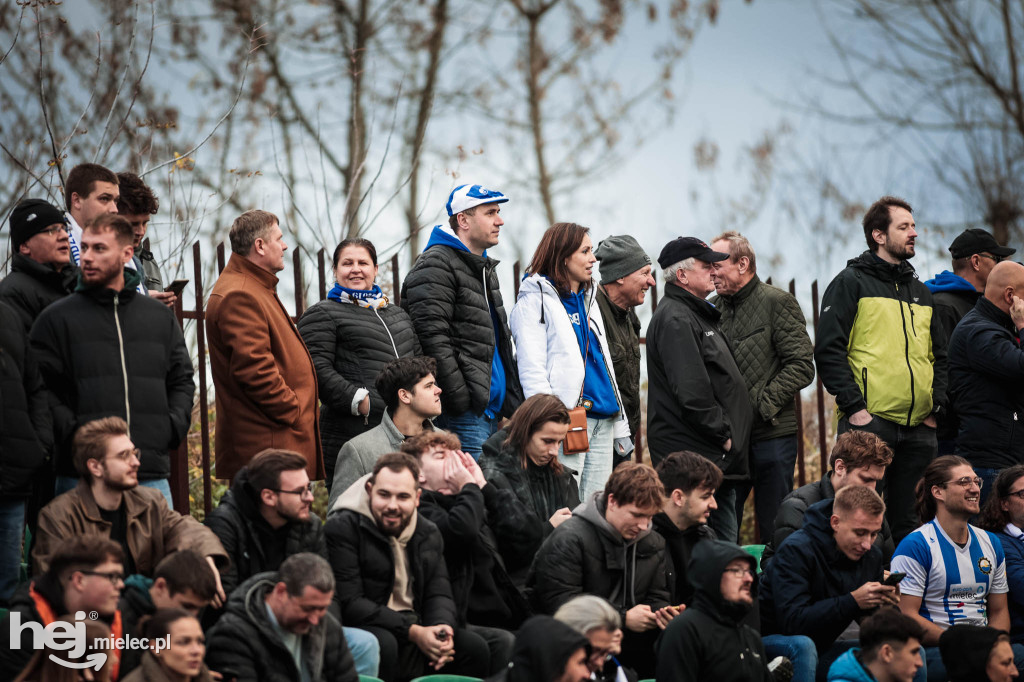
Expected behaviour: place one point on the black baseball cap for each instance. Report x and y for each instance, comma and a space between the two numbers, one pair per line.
976, 240
682, 248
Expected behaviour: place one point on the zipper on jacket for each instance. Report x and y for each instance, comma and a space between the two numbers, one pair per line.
906, 351
864, 379
124, 366
393, 346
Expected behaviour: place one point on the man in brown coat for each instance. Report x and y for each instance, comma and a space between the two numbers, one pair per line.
262, 373
110, 502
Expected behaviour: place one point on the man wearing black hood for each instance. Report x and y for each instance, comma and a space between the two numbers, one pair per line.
881, 352
607, 549
546, 650
709, 640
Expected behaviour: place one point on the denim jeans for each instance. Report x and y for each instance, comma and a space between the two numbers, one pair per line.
913, 449
936, 668
723, 520
64, 484
365, 651
472, 430
161, 484
773, 460
594, 466
12, 532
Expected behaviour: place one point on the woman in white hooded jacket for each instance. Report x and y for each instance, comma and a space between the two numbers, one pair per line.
561, 347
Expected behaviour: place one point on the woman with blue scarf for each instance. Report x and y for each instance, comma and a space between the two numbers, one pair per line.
562, 348
351, 336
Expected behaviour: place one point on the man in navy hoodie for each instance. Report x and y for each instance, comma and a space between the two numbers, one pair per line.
975, 252
453, 298
823, 577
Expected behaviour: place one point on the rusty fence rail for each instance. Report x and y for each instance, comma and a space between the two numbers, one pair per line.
179, 464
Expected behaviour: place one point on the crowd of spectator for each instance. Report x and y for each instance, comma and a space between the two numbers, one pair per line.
485, 517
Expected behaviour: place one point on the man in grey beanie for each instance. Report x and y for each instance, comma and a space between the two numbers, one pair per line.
625, 279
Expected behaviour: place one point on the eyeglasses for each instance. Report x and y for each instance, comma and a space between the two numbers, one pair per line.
53, 229
308, 490
997, 259
114, 578
966, 481
1019, 494
126, 455
739, 571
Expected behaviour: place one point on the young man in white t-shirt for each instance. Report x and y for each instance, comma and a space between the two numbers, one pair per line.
955, 572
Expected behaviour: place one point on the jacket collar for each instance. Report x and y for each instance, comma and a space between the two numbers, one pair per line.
134, 505
105, 295
619, 312
745, 290
64, 279
991, 311
245, 266
700, 306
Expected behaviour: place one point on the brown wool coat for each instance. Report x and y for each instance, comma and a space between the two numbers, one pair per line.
154, 529
263, 375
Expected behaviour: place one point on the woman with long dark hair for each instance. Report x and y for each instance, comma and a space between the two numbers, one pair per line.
351, 336
181, 651
562, 347
1003, 515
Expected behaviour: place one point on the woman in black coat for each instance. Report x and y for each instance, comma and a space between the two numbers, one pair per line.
351, 336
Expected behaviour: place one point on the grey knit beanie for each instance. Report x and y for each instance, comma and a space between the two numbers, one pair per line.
620, 255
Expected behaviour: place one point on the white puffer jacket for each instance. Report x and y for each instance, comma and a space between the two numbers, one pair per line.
547, 349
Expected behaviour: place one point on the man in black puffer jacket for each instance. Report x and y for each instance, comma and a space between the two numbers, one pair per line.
709, 640
107, 351
607, 548
301, 641
392, 580
453, 297
26, 436
986, 365
40, 270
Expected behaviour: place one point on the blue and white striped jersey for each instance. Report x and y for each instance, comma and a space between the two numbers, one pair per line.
953, 583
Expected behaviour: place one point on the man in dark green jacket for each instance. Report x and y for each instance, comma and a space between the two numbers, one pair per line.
769, 340
880, 350
625, 279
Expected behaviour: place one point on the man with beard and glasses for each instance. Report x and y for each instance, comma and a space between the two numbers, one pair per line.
709, 640
265, 518
392, 580
107, 351
277, 627
109, 502
956, 572
881, 352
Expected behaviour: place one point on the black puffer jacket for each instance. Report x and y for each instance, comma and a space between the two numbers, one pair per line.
483, 529
32, 286
349, 345
586, 555
791, 518
245, 645
26, 426
238, 524
986, 367
364, 569
451, 311
105, 353
709, 640
540, 489
697, 398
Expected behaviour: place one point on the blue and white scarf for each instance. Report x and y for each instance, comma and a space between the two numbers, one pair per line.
364, 298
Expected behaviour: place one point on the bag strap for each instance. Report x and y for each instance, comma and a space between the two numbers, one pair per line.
586, 351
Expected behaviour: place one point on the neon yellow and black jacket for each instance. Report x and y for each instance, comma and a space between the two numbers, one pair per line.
879, 345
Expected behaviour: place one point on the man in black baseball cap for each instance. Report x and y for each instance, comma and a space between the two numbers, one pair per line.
702, 409
975, 252
40, 270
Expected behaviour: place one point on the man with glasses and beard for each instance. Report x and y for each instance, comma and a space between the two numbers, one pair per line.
956, 572
391, 576
109, 502
265, 518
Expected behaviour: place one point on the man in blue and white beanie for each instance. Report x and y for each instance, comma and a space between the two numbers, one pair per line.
453, 297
